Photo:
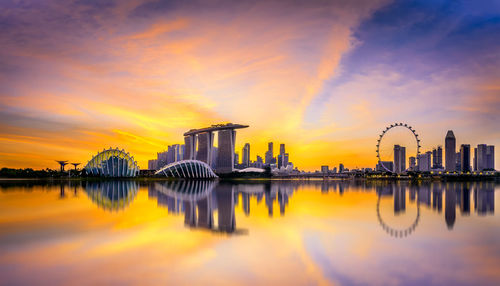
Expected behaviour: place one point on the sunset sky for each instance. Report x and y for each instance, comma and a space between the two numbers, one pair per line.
323, 77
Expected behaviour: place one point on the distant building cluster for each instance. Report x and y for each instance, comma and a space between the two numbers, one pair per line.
199, 145
279, 163
483, 158
173, 154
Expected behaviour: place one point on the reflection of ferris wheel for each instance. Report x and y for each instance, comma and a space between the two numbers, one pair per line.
399, 233
387, 130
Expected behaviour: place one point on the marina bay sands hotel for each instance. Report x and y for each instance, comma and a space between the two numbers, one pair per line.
224, 157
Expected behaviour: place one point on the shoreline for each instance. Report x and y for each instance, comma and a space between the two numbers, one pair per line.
495, 178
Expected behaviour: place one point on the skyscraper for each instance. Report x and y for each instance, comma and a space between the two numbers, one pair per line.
490, 157
174, 153
324, 169
285, 160
458, 166
205, 145
225, 158
341, 168
485, 157
450, 151
412, 163
424, 162
190, 147
259, 162
215, 155
399, 159
465, 157
282, 157
269, 153
246, 155
481, 157
437, 158
475, 159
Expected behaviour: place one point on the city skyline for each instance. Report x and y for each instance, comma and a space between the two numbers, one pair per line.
321, 77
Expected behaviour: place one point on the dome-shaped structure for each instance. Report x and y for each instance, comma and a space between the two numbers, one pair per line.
112, 163
189, 169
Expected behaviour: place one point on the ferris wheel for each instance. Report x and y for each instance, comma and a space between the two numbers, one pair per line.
384, 132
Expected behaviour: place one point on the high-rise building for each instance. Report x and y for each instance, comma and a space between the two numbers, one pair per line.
174, 153
341, 168
450, 151
282, 157
236, 159
324, 169
424, 162
215, 155
161, 159
465, 157
190, 147
475, 159
225, 158
246, 155
490, 157
205, 145
437, 158
269, 156
412, 163
259, 163
152, 164
485, 157
458, 165
399, 159
481, 157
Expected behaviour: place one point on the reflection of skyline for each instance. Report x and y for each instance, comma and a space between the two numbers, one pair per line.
199, 207
457, 195
200, 200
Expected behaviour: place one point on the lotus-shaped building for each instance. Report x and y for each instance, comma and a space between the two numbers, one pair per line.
112, 163
188, 169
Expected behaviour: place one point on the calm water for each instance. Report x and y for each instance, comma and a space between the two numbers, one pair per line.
290, 232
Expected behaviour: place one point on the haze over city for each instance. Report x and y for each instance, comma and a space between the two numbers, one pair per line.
323, 77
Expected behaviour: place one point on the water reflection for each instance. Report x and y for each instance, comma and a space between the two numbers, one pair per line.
398, 192
457, 195
199, 200
111, 195
58, 233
